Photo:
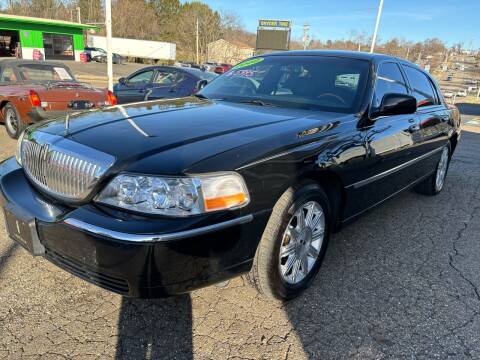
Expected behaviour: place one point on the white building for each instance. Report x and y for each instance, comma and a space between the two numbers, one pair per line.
228, 52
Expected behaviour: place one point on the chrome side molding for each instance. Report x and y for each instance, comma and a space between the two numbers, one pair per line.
146, 238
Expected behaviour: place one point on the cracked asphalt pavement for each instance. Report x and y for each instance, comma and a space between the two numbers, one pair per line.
401, 282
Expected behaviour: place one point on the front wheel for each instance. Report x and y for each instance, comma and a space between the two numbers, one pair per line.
293, 244
434, 184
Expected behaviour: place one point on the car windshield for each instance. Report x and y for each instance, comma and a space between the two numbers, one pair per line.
326, 83
42, 72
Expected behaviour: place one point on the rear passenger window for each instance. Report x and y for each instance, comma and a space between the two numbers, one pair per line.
144, 76
421, 87
389, 80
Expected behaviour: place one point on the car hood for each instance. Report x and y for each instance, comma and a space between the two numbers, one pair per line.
184, 131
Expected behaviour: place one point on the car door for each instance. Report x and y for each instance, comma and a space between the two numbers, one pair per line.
135, 87
186, 85
167, 84
433, 114
390, 143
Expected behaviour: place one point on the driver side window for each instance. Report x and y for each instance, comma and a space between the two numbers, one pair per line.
389, 80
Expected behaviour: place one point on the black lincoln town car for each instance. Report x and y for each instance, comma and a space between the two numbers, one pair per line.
249, 176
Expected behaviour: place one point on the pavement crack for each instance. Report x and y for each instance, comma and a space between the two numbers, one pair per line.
456, 253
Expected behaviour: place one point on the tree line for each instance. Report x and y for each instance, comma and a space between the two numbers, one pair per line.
170, 20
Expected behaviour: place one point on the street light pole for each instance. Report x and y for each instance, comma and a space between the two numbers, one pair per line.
108, 25
377, 24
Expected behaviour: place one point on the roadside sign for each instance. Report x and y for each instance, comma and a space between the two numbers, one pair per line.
273, 35
274, 23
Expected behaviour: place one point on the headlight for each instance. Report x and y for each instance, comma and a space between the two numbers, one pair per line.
176, 196
18, 151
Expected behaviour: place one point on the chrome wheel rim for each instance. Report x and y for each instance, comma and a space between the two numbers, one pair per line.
11, 121
442, 170
302, 242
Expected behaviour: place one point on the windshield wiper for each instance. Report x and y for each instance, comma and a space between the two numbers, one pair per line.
257, 102
200, 96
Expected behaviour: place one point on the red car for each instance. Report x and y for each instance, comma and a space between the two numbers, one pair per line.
222, 68
32, 91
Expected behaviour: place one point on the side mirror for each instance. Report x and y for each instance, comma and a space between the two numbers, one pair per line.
201, 84
122, 80
396, 104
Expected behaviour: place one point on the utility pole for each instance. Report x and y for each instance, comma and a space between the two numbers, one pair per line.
108, 25
78, 15
419, 59
197, 35
377, 24
306, 39
408, 53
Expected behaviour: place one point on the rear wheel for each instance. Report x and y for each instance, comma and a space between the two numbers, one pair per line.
294, 243
13, 124
434, 184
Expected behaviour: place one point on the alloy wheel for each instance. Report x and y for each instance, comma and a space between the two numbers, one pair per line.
302, 242
442, 170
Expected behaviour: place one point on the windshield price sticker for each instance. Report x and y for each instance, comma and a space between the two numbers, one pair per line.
242, 73
62, 73
248, 63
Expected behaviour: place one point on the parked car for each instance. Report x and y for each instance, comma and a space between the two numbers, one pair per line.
222, 68
209, 66
116, 58
188, 65
32, 91
462, 92
472, 88
252, 174
449, 78
448, 94
93, 51
160, 82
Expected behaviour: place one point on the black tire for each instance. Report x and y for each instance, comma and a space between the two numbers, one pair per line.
266, 274
429, 186
13, 123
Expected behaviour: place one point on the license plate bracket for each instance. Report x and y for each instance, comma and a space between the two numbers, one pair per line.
23, 230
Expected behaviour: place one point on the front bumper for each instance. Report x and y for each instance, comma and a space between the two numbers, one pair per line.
39, 114
132, 255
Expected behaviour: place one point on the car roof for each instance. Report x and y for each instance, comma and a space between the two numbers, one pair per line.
16, 62
168, 67
373, 57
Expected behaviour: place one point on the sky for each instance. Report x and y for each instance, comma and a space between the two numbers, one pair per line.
452, 21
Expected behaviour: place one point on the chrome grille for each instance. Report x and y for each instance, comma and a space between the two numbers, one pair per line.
62, 174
